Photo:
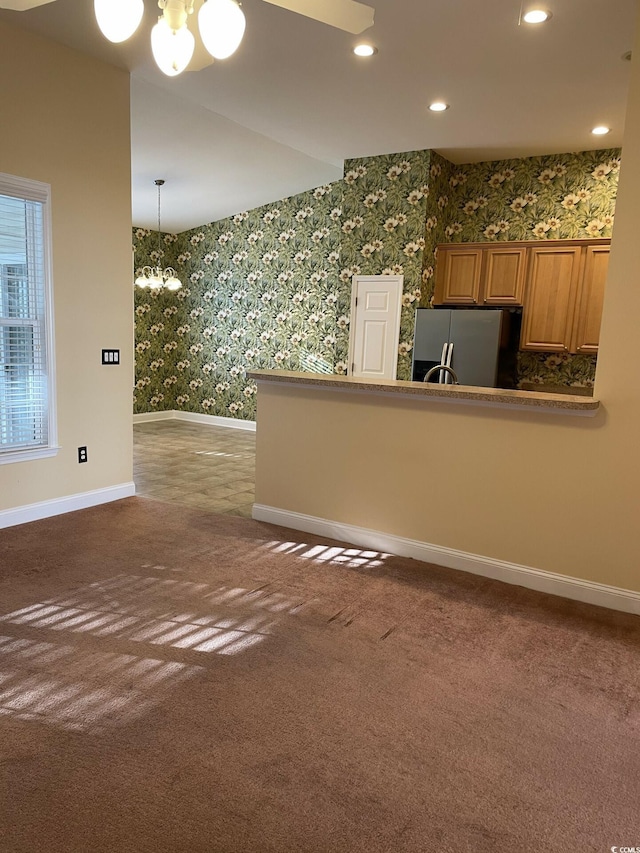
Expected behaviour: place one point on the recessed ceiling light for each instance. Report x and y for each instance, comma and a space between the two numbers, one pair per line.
438, 107
365, 50
600, 130
536, 16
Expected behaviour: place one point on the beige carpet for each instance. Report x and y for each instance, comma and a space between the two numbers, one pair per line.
172, 680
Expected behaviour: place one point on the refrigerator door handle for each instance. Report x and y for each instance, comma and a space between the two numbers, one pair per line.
443, 358
447, 375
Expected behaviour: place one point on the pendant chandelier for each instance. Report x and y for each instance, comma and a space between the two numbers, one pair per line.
157, 278
221, 25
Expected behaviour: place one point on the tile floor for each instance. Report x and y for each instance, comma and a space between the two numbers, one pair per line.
202, 466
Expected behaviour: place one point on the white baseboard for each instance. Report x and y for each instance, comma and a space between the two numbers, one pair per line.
195, 418
145, 417
69, 503
615, 598
215, 420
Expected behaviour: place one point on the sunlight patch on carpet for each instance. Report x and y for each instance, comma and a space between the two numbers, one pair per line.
49, 674
353, 558
64, 685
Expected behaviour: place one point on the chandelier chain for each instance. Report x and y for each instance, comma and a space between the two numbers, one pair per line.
159, 182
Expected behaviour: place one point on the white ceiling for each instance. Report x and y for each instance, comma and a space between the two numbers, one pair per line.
283, 113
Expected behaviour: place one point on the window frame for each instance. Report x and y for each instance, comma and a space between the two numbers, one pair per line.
31, 190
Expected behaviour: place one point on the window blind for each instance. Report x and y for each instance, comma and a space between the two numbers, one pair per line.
24, 405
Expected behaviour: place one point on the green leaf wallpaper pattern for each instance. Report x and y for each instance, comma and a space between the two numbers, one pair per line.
271, 287
440, 204
261, 289
539, 368
384, 211
555, 197
158, 315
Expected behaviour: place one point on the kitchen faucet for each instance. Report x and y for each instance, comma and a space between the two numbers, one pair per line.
446, 367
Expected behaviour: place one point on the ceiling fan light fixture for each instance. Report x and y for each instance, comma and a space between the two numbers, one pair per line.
172, 49
118, 19
221, 24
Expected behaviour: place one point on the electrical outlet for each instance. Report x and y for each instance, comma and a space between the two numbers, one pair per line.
111, 356
82, 454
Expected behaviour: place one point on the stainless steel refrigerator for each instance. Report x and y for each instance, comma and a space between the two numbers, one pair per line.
468, 340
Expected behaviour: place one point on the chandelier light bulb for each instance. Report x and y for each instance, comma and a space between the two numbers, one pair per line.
172, 49
221, 24
172, 283
118, 19
156, 279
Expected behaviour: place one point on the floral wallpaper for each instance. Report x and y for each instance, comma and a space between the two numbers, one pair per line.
271, 287
440, 204
384, 211
555, 197
158, 315
260, 289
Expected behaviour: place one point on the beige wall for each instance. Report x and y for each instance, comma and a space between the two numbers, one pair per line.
65, 121
552, 492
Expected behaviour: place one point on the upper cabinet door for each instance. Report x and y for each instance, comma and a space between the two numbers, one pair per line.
504, 275
590, 300
458, 276
552, 285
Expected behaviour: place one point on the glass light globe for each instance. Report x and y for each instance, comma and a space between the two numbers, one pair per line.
172, 49
142, 281
155, 279
173, 283
221, 24
118, 19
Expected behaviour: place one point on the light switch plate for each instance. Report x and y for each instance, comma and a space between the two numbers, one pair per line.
111, 356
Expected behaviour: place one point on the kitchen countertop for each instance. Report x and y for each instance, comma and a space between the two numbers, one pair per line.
567, 404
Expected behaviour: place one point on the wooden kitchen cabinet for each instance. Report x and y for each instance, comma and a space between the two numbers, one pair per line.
505, 268
564, 298
559, 283
590, 300
552, 287
480, 275
458, 275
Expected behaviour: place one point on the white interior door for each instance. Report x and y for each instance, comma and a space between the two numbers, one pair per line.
376, 301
